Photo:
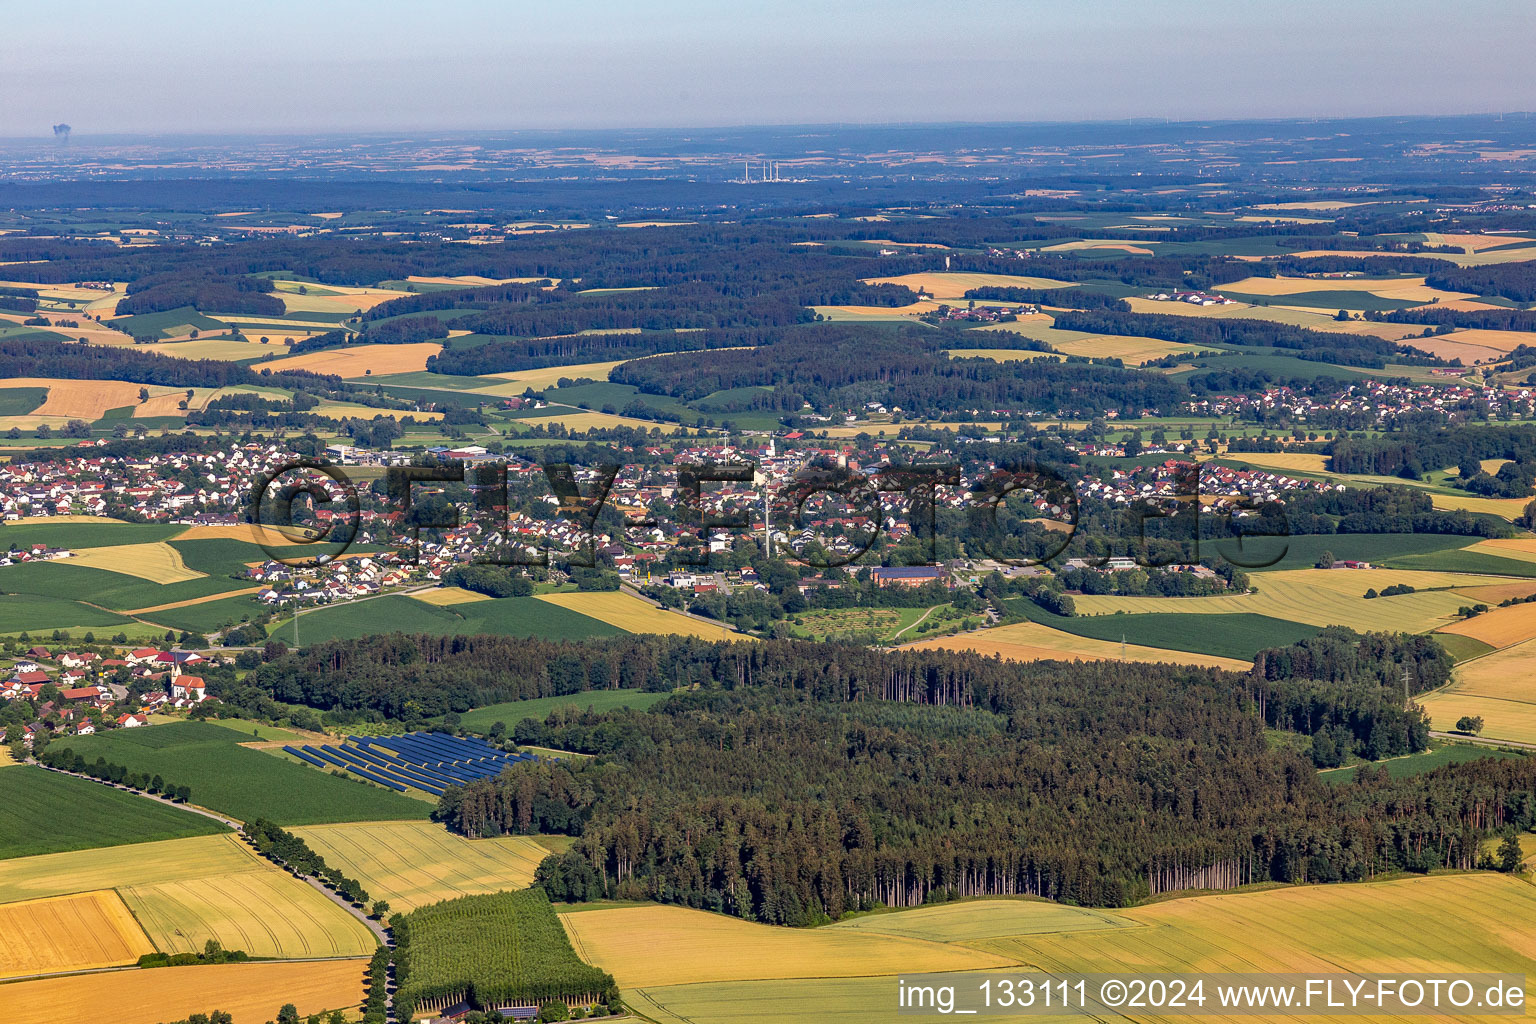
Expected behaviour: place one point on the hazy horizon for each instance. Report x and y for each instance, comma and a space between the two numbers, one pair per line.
348, 67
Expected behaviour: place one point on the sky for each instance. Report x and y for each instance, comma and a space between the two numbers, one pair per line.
282, 66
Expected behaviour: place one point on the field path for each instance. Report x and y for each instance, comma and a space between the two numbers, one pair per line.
915, 624
1464, 738
192, 601
189, 808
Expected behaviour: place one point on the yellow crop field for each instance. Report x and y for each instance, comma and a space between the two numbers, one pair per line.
1135, 248
1520, 548
1323, 597
1498, 627
578, 419
1308, 928
80, 932
877, 313
1132, 349
214, 348
1499, 688
358, 360
634, 615
642, 946
1296, 316
81, 399
1294, 462
999, 355
157, 561
1034, 641
251, 993
413, 863
1474, 243
335, 298
248, 532
944, 285
444, 596
343, 410
1408, 289
186, 891
1505, 508
34, 520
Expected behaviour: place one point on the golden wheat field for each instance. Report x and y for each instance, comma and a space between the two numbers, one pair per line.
1499, 688
80, 399
1134, 248
1034, 641
1294, 462
251, 993
1323, 597
186, 891
1504, 508
79, 932
1471, 922
545, 377
156, 561
445, 596
413, 863
944, 285
634, 615
1133, 349
250, 533
1498, 627
1408, 289
658, 945
361, 360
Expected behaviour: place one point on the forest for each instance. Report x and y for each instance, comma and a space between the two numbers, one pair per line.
45, 357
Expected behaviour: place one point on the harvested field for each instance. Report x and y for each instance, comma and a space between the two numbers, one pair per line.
634, 615
412, 864
251, 993
1134, 248
546, 377
79, 932
358, 360
158, 562
944, 285
676, 946
1032, 641
247, 532
444, 596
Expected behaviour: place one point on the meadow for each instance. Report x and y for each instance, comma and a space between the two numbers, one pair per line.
1304, 928
512, 712
242, 783
510, 616
99, 815
79, 932
250, 993
412, 864
1225, 635
184, 892
1439, 755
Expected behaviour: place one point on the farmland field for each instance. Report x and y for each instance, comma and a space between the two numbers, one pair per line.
1031, 641
1498, 627
633, 615
1500, 688
184, 892
512, 712
1439, 755
1322, 597
954, 285
358, 360
98, 815
251, 993
79, 932
511, 616
644, 946
243, 783
1307, 928
442, 596
1224, 635
983, 919
158, 561
1130, 348
411, 864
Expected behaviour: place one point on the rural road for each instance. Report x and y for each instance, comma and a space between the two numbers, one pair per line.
376, 927
915, 624
1464, 738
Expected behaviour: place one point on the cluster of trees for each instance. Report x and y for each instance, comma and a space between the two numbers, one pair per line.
1441, 317
68, 760
18, 300
548, 797
841, 366
231, 293
376, 995
213, 953
1413, 451
1516, 281
33, 357
402, 331
288, 850
490, 580
1155, 582
1070, 298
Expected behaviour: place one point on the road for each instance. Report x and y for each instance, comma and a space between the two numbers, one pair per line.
918, 622
1480, 741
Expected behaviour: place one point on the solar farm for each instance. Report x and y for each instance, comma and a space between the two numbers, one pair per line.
427, 761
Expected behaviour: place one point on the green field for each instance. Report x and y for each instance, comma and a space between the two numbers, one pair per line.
164, 324
512, 712
508, 616
1416, 764
1303, 550
21, 612
1227, 635
1327, 300
241, 782
20, 401
46, 812
85, 535
207, 617
1464, 561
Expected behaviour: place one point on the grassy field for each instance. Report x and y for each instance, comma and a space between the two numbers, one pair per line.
983, 919
98, 815
184, 892
240, 782
1439, 755
857, 623
655, 945
1322, 597
510, 616
79, 932
633, 615
1224, 635
1031, 641
251, 993
512, 712
1500, 688
1310, 928
412, 864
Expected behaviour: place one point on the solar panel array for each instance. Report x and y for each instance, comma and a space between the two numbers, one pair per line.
428, 761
